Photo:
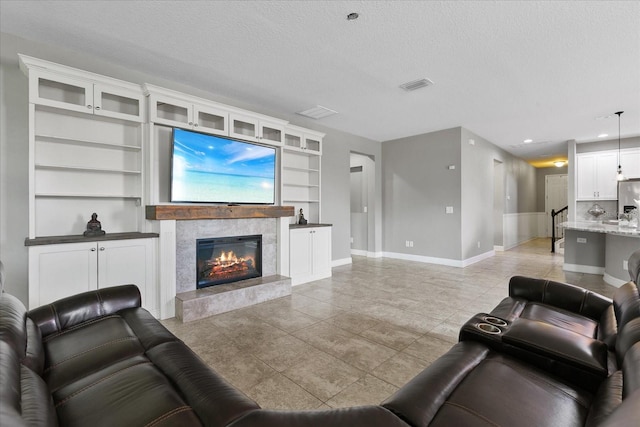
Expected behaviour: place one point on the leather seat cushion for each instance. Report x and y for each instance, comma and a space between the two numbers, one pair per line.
561, 319
134, 395
88, 348
502, 391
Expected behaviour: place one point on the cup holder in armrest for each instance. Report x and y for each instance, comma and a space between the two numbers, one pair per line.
488, 328
494, 321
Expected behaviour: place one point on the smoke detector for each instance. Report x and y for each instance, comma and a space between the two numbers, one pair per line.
416, 84
317, 112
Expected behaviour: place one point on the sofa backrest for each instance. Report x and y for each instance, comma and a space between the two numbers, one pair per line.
24, 397
71, 311
626, 303
634, 267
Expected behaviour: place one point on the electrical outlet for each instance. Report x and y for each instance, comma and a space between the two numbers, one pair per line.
410, 243
352, 240
478, 243
625, 264
406, 243
448, 209
366, 209
582, 240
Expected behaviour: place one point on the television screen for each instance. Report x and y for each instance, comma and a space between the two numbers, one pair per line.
215, 169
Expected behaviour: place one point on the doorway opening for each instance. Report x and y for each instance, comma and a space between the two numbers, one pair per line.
362, 182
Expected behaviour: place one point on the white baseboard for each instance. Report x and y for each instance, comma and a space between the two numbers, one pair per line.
588, 269
498, 248
613, 281
339, 262
478, 258
359, 252
375, 254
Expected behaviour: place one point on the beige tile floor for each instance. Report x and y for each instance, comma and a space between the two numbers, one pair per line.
357, 337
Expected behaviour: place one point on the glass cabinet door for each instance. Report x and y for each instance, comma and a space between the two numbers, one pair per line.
50, 89
170, 111
119, 103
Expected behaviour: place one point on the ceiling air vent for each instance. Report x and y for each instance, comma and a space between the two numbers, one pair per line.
317, 112
416, 84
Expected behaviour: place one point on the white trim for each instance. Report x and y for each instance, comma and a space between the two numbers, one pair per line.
578, 268
359, 252
424, 259
339, 262
613, 281
478, 258
498, 248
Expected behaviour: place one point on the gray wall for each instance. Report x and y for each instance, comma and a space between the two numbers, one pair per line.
14, 152
541, 173
477, 191
417, 188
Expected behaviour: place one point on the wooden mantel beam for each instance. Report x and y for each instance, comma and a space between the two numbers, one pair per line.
192, 212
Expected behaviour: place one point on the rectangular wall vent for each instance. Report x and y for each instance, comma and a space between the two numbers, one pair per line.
317, 112
416, 84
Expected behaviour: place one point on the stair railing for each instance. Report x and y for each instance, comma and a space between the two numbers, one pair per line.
557, 233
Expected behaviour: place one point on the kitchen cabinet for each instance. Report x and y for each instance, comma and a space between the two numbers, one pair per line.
310, 253
630, 162
596, 175
61, 270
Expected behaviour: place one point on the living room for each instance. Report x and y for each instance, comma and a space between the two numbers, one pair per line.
453, 184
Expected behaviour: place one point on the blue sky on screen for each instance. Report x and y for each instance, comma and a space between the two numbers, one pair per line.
208, 153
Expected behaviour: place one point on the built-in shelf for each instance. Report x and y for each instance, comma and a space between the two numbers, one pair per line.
290, 168
192, 212
302, 201
89, 195
86, 169
302, 185
53, 240
78, 141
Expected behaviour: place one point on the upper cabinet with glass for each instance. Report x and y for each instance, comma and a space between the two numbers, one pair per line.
257, 128
301, 139
170, 108
57, 86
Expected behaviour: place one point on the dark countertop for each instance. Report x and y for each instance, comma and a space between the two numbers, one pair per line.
53, 240
309, 225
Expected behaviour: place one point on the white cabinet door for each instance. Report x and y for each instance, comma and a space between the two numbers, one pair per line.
59, 271
119, 103
210, 120
596, 175
170, 111
55, 90
123, 262
300, 256
310, 254
321, 252
607, 167
630, 162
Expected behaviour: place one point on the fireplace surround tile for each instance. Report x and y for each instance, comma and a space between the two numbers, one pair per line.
205, 302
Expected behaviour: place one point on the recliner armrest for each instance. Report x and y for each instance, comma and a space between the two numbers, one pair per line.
561, 295
76, 309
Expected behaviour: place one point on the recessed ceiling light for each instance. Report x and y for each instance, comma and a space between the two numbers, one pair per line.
603, 135
559, 164
526, 141
352, 16
317, 112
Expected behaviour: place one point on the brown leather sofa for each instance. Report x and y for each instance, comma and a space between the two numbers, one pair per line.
99, 359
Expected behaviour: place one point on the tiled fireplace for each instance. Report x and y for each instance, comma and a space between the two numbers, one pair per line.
180, 226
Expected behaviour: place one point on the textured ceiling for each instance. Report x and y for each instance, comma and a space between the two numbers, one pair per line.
507, 71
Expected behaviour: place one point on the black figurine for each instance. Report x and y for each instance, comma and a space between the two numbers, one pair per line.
94, 228
302, 221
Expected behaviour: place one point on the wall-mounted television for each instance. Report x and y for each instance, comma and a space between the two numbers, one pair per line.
216, 169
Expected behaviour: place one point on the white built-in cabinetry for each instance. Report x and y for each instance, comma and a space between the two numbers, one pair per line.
60, 270
630, 162
596, 172
97, 144
310, 249
86, 155
596, 175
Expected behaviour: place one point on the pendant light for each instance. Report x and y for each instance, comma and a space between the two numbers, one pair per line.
620, 176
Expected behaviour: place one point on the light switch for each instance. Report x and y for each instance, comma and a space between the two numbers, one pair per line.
449, 209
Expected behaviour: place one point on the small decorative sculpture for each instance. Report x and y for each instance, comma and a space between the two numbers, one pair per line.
596, 211
94, 228
301, 220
